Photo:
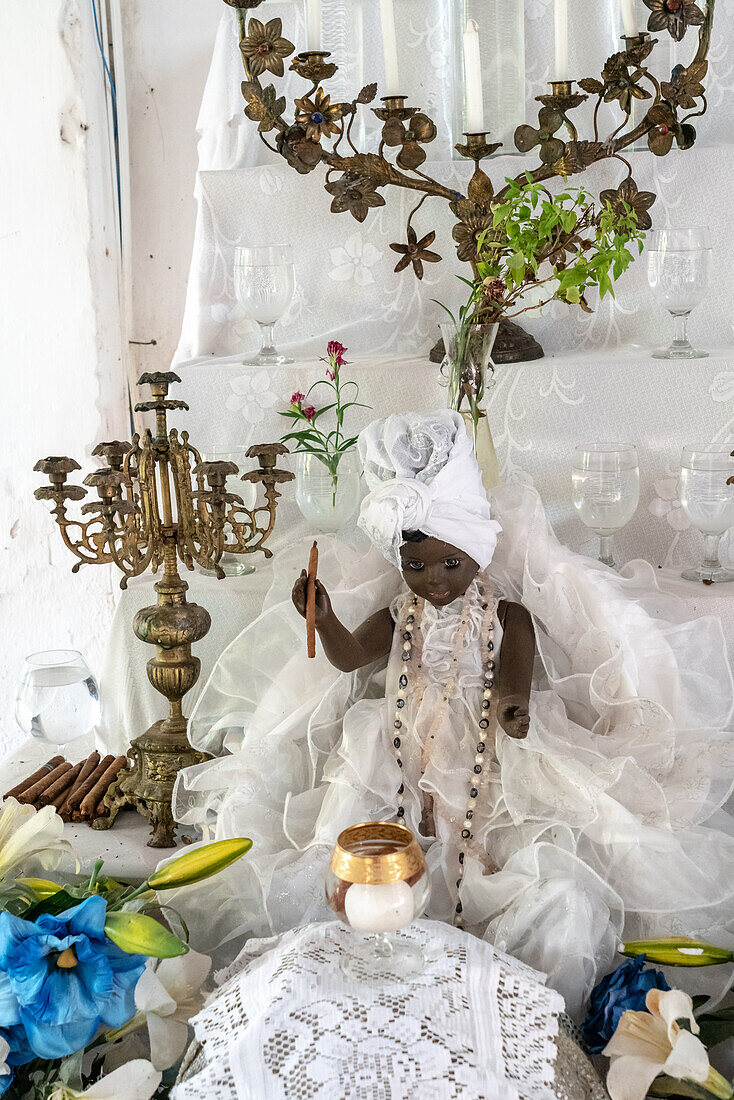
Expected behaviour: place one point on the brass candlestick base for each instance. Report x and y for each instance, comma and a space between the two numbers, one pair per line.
476, 148
160, 504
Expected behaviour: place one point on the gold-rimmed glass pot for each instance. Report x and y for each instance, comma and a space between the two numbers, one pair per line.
377, 884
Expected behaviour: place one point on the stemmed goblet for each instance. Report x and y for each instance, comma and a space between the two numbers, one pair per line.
377, 883
606, 490
679, 261
264, 281
708, 501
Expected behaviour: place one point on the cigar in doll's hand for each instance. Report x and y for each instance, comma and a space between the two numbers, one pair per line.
313, 565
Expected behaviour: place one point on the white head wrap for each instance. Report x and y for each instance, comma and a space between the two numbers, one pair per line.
423, 476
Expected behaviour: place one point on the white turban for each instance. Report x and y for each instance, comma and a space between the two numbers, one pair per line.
423, 476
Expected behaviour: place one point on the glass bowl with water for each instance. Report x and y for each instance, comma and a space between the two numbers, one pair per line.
57, 698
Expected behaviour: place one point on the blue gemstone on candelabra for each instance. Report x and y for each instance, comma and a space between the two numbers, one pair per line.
317, 117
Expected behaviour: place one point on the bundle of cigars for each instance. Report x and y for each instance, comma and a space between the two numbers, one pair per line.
76, 791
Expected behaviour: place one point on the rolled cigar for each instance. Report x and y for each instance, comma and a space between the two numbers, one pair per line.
71, 801
61, 783
42, 772
64, 784
84, 788
31, 794
313, 564
89, 804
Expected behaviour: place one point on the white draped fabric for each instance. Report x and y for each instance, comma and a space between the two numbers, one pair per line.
599, 822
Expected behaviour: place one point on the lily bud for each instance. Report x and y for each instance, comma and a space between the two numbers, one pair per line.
200, 863
677, 951
141, 935
41, 887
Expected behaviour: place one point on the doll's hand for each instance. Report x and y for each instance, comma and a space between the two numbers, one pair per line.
514, 717
323, 603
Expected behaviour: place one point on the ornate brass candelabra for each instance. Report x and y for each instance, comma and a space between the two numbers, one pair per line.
355, 179
160, 503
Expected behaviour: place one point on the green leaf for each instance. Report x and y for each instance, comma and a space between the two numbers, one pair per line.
57, 903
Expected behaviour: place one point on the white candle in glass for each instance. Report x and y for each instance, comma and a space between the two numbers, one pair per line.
379, 908
560, 13
389, 48
473, 80
313, 24
628, 17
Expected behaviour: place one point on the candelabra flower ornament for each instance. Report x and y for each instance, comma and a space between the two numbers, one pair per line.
328, 479
159, 503
321, 133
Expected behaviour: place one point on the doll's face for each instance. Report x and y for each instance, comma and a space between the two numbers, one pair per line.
437, 571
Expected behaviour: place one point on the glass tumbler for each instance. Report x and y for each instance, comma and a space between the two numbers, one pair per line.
707, 498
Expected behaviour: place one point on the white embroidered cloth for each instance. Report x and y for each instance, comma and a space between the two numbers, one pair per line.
286, 1023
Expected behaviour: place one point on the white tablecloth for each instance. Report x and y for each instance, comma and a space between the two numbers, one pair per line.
286, 1023
124, 847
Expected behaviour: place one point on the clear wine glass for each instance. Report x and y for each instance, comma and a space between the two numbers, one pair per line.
708, 501
57, 698
679, 262
264, 281
606, 490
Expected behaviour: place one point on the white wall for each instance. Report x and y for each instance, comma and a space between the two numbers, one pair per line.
167, 46
59, 323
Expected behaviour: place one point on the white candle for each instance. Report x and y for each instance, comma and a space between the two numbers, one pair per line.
473, 80
313, 24
560, 13
389, 48
628, 18
379, 908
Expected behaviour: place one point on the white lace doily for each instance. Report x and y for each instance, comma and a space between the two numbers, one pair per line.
285, 1022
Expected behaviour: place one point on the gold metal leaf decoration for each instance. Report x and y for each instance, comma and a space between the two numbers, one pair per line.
263, 106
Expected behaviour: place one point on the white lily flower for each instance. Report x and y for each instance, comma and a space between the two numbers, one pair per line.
647, 1044
26, 833
136, 1080
168, 994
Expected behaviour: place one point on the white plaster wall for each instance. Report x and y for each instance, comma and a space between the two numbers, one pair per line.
167, 47
59, 323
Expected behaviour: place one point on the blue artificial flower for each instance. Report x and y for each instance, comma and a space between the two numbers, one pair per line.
18, 1054
625, 988
61, 1005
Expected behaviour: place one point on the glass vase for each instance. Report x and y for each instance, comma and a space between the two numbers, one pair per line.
468, 370
328, 488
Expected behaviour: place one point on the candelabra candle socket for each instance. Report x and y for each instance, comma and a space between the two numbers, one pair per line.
394, 104
561, 87
476, 140
308, 55
632, 41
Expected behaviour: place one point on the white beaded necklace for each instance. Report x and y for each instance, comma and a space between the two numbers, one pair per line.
415, 607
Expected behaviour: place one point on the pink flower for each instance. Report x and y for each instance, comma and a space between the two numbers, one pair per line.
335, 351
309, 412
331, 374
297, 398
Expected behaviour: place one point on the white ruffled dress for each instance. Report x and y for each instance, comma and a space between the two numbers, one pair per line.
606, 821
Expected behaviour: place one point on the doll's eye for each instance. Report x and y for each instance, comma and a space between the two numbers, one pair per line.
416, 566
451, 563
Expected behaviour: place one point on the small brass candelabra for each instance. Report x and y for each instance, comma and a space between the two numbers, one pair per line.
159, 504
